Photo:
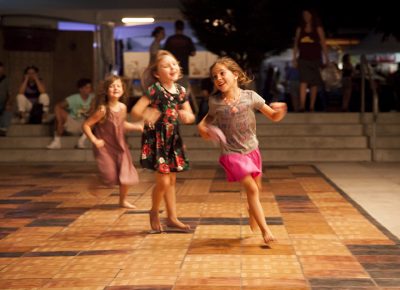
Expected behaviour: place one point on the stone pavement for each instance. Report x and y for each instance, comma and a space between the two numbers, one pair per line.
59, 232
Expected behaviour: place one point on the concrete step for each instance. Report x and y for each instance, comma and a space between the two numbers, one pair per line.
36, 142
384, 130
388, 118
316, 155
45, 155
294, 155
388, 142
388, 155
273, 129
30, 130
270, 142
383, 118
320, 142
195, 155
315, 118
313, 137
310, 130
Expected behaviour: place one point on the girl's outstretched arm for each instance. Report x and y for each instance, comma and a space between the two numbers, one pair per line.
135, 126
139, 108
142, 111
90, 122
131, 126
275, 112
202, 127
186, 114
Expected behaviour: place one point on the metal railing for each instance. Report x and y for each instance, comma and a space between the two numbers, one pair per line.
366, 73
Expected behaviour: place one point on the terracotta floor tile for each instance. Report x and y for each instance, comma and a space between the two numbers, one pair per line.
58, 231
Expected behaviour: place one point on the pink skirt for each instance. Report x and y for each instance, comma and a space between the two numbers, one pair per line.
237, 166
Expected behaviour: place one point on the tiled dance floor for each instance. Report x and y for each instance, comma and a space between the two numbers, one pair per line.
57, 231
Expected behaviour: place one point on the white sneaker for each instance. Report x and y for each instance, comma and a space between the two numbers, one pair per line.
55, 144
81, 144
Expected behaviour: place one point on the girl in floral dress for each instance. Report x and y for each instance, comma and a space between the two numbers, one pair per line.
163, 104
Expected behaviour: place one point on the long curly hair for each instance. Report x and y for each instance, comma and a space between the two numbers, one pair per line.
102, 96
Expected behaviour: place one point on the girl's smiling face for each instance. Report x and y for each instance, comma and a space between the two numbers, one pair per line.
224, 79
168, 70
116, 89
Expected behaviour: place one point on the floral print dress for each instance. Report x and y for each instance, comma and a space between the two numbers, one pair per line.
162, 146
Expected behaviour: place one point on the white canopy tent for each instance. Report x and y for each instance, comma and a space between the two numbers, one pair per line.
376, 43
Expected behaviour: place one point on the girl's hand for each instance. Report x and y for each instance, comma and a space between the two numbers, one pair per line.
150, 117
203, 131
280, 108
186, 117
138, 126
99, 143
135, 126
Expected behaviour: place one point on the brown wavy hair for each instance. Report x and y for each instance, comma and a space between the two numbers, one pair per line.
102, 97
230, 64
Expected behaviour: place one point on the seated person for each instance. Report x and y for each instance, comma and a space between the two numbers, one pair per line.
71, 113
32, 97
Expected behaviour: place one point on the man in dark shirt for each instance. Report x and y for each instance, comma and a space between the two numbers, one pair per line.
181, 46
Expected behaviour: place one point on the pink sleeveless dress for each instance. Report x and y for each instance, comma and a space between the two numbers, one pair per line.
114, 160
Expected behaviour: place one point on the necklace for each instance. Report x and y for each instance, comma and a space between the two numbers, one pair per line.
232, 103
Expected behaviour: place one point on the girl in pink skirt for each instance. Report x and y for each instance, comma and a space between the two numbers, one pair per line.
111, 151
231, 109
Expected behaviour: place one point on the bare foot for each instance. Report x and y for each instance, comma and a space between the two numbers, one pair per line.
252, 222
175, 223
155, 221
126, 204
268, 236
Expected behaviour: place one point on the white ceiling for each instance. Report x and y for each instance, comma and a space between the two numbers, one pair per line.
89, 11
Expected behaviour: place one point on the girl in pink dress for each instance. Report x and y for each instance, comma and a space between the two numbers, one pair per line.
112, 154
231, 109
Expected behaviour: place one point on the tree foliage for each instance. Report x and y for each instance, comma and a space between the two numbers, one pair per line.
243, 30
247, 30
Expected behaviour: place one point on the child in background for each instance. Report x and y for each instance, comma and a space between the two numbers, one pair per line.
162, 148
111, 152
231, 109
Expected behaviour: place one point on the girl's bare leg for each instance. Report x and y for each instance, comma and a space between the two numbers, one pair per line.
170, 204
256, 209
252, 221
123, 197
162, 183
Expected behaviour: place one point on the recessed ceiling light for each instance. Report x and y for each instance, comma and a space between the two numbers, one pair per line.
137, 20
